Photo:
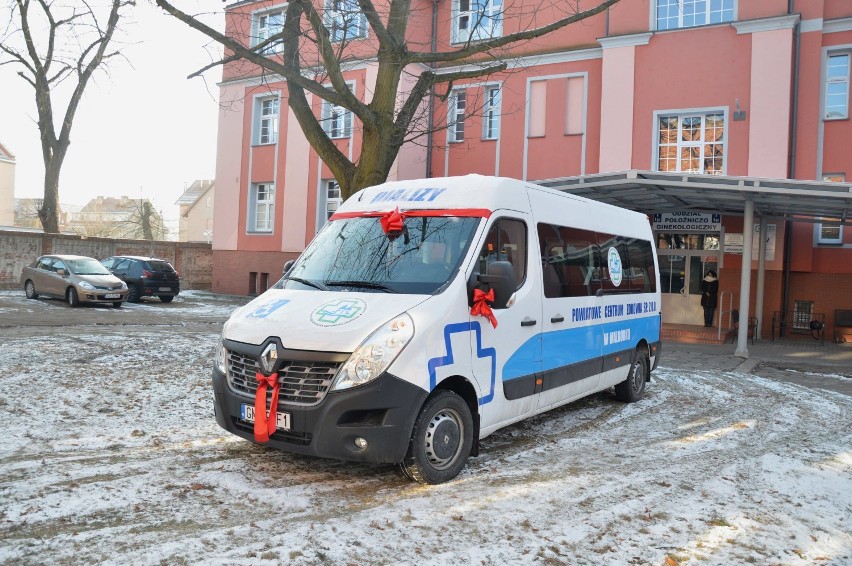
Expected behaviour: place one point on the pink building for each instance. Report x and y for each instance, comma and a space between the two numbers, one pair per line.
701, 87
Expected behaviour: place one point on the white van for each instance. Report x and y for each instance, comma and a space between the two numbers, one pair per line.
428, 314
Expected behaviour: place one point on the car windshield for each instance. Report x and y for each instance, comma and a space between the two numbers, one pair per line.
86, 266
356, 254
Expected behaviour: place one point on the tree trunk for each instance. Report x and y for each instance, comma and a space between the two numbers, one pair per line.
49, 211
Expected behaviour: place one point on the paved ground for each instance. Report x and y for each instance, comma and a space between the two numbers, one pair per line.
802, 361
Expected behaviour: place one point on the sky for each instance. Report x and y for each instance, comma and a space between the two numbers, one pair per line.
143, 130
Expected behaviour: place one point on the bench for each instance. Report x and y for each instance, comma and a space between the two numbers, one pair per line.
735, 319
794, 323
842, 325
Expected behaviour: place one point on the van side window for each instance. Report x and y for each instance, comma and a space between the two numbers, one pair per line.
637, 264
568, 261
506, 241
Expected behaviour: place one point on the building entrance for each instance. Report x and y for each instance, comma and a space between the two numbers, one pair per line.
684, 261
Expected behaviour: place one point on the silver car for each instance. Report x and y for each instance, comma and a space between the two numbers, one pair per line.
77, 279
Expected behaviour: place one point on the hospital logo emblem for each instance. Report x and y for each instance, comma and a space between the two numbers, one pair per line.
614, 267
267, 309
338, 312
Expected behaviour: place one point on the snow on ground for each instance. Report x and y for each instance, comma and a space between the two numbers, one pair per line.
111, 454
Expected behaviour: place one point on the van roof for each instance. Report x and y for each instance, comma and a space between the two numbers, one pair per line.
441, 193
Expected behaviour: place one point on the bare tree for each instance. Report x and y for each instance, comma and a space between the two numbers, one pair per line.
392, 116
54, 42
144, 222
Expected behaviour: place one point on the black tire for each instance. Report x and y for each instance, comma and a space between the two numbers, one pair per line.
632, 389
132, 293
29, 289
166, 298
73, 297
116, 305
441, 440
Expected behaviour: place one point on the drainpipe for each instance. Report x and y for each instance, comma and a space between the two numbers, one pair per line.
794, 128
430, 119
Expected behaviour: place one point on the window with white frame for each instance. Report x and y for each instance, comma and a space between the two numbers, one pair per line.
265, 25
336, 120
675, 14
475, 20
345, 20
491, 113
837, 86
830, 232
261, 207
333, 198
691, 143
266, 120
455, 115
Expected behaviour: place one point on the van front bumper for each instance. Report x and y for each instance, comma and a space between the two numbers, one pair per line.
381, 413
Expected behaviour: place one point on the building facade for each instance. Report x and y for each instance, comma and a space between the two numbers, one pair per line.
7, 187
709, 87
196, 212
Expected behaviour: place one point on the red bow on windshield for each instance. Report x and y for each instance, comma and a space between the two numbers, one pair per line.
480, 305
392, 221
264, 427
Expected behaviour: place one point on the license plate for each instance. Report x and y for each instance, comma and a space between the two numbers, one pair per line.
165, 288
247, 414
112, 296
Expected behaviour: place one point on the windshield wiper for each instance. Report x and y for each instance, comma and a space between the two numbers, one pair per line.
307, 282
365, 284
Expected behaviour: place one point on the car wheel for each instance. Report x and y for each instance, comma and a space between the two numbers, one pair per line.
166, 298
441, 440
116, 305
632, 389
132, 293
29, 289
73, 298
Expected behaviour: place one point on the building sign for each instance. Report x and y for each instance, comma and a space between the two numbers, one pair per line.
686, 221
734, 242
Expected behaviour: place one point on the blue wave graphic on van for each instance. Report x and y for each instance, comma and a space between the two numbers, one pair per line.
449, 360
566, 347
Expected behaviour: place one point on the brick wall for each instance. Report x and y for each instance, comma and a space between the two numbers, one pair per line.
17, 249
232, 270
827, 291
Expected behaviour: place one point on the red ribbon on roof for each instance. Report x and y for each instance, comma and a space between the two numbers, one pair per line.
480, 305
265, 426
392, 221
418, 212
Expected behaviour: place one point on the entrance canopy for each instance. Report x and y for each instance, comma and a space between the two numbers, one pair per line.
654, 191
770, 199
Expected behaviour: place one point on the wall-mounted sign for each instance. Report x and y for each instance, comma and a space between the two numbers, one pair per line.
687, 221
734, 242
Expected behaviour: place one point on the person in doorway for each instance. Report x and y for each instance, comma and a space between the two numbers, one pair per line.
709, 292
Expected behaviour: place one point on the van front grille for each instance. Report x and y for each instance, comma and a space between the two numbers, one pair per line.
301, 383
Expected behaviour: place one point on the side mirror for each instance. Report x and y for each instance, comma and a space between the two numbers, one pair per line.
499, 276
288, 265
61, 272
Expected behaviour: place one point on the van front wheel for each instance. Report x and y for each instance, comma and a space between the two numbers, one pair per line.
632, 389
441, 440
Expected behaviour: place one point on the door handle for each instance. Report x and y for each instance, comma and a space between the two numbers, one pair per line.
558, 318
528, 322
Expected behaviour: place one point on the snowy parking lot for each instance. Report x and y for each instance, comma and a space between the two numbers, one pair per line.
110, 453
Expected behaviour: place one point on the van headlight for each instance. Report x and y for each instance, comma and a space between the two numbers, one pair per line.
221, 357
376, 353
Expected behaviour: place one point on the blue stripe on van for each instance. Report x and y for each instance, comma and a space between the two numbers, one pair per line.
565, 347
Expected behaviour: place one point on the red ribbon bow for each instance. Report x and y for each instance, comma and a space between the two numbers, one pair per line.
265, 426
392, 221
480, 305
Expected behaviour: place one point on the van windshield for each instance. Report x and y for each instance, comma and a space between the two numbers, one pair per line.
355, 254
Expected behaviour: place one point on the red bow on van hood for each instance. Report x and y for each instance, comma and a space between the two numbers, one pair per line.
480, 305
264, 427
392, 221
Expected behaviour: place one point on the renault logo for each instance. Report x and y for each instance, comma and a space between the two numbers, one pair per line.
268, 359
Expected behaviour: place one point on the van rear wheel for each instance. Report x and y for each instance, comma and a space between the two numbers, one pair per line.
441, 440
632, 389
